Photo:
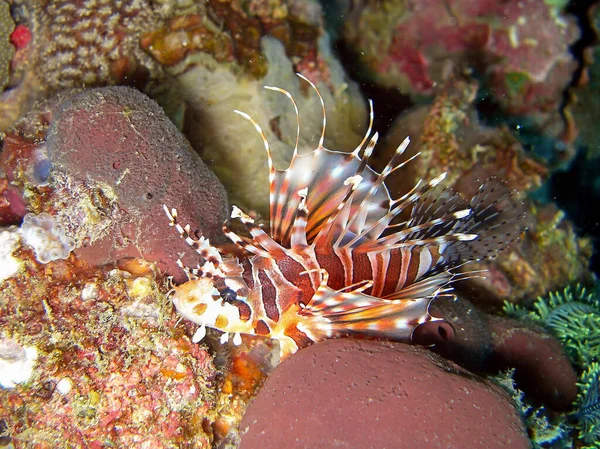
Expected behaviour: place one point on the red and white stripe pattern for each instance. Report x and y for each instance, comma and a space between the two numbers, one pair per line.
337, 261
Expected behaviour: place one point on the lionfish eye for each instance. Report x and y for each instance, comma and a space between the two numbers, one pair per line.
228, 295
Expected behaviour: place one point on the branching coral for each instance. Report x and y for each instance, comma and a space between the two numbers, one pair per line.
572, 316
47, 237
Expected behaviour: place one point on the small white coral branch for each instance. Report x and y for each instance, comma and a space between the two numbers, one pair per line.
16, 362
9, 265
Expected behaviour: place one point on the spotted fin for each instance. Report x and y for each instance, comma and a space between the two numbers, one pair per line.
498, 219
462, 230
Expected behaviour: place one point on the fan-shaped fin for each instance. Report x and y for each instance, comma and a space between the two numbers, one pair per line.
497, 218
324, 171
353, 313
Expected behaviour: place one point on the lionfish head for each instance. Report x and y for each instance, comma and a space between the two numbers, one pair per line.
200, 302
214, 295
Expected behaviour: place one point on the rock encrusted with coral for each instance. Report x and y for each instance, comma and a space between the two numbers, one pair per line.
372, 395
94, 358
101, 163
520, 49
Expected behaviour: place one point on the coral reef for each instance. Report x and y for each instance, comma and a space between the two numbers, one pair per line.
12, 204
234, 33
588, 406
573, 317
87, 44
102, 163
547, 257
75, 44
128, 377
376, 394
16, 362
520, 49
541, 430
9, 265
244, 373
91, 351
584, 109
450, 138
221, 54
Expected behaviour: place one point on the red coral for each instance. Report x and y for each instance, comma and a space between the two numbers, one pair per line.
20, 37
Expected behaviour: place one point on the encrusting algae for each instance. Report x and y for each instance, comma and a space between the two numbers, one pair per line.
95, 358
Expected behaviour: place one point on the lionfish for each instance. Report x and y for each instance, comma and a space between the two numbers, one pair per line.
338, 259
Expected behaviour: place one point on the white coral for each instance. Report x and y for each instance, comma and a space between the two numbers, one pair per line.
9, 265
47, 237
16, 362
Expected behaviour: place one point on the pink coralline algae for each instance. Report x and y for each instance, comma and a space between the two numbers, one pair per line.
95, 359
351, 393
521, 47
109, 160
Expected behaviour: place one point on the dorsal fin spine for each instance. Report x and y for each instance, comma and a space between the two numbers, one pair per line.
322, 138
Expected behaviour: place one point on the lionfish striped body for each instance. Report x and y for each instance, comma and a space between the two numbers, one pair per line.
337, 260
